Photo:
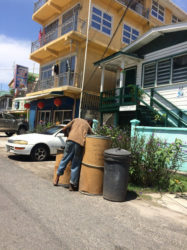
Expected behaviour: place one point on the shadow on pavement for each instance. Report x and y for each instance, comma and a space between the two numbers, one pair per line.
131, 195
26, 158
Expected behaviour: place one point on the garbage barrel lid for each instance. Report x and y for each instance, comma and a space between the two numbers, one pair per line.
117, 153
99, 137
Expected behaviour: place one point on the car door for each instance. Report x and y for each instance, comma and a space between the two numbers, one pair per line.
58, 142
6, 123
10, 122
2, 122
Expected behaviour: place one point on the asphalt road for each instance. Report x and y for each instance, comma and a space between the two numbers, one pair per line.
36, 215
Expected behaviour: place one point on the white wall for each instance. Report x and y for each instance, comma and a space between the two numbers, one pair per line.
170, 92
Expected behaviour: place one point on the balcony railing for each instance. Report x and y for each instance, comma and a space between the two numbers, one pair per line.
64, 79
72, 24
39, 4
137, 7
113, 99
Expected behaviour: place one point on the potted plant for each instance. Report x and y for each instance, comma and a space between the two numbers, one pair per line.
133, 89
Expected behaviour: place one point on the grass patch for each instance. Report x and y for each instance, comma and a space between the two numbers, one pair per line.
139, 190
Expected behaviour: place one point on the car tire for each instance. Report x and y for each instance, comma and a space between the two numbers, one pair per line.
21, 130
39, 153
9, 134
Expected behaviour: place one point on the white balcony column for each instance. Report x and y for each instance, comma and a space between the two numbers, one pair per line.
102, 79
122, 74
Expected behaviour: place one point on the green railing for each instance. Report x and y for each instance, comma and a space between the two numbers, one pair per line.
164, 108
111, 100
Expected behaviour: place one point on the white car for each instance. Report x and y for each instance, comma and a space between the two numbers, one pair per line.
38, 145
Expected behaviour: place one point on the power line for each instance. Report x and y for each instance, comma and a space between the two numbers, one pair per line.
121, 20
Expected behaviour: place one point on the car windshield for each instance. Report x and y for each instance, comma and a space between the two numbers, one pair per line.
51, 130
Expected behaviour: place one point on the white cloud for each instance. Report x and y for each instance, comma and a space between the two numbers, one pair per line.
14, 52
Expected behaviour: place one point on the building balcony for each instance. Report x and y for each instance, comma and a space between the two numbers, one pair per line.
51, 43
39, 4
68, 79
136, 6
47, 9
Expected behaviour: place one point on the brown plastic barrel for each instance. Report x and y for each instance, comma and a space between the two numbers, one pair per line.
65, 178
92, 168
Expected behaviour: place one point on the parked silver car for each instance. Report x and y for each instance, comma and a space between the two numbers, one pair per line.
10, 125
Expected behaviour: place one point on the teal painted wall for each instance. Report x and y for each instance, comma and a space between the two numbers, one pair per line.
168, 134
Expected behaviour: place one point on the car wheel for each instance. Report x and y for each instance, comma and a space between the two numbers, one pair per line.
40, 153
9, 133
21, 131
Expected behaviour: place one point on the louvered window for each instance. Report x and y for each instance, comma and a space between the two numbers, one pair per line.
164, 72
149, 75
179, 69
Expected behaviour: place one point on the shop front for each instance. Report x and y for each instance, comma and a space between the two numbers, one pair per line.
56, 110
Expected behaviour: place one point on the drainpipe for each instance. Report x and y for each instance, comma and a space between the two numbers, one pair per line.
85, 56
102, 79
122, 74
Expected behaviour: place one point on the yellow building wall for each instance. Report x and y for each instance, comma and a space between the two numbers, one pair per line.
98, 41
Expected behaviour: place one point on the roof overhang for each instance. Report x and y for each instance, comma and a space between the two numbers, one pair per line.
113, 62
153, 34
44, 96
17, 111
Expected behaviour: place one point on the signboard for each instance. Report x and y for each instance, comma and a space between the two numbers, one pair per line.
21, 76
128, 108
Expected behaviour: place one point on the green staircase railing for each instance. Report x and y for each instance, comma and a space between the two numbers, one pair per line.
171, 114
111, 100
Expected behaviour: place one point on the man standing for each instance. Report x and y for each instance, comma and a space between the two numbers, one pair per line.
73, 151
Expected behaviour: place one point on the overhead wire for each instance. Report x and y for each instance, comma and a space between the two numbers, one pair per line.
121, 20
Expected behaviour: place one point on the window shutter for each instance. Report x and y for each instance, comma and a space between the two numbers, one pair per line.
164, 72
179, 69
149, 75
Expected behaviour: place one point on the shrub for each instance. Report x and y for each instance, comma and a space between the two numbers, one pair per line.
153, 161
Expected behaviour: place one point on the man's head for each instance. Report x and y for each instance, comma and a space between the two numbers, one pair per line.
90, 121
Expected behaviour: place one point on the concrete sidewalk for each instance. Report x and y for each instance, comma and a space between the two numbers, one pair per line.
174, 202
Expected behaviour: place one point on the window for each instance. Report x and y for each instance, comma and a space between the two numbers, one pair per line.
44, 117
179, 69
157, 11
61, 115
149, 75
50, 32
67, 68
175, 19
46, 72
129, 34
101, 21
165, 71
46, 78
70, 19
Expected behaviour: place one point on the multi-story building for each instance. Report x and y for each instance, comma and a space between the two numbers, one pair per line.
5, 100
74, 34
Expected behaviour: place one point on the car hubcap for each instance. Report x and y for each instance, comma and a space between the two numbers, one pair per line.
40, 154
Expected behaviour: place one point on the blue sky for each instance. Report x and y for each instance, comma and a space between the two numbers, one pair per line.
17, 30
